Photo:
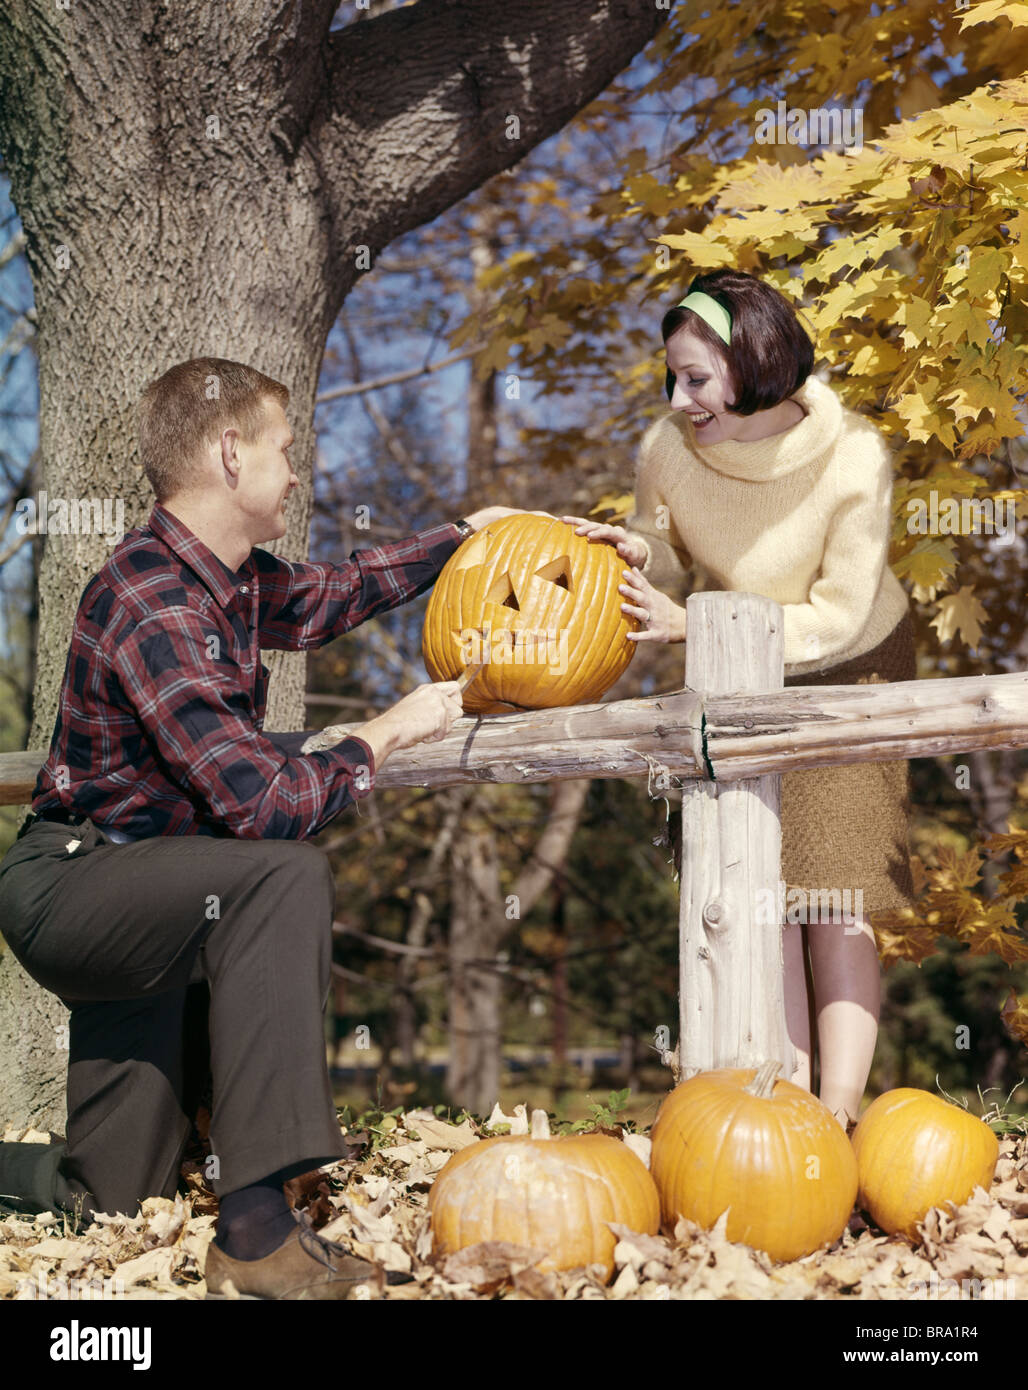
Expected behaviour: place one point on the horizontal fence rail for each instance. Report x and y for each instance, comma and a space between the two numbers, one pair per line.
740, 736
725, 739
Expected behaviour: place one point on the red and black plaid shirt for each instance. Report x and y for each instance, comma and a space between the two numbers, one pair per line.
164, 693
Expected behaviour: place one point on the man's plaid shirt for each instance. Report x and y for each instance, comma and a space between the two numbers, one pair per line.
164, 693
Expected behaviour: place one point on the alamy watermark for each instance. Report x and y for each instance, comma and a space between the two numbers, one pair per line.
986, 1289
516, 647
968, 516
46, 1287
82, 1342
794, 125
71, 516
831, 906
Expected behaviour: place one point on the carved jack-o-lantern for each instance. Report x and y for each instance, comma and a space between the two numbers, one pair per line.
541, 604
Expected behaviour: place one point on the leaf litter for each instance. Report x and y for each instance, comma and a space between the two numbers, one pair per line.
374, 1201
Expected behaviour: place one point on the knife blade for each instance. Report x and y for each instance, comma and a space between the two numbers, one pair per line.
470, 672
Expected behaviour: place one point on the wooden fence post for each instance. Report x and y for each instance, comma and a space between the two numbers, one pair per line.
731, 981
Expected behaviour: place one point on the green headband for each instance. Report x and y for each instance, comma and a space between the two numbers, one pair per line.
713, 313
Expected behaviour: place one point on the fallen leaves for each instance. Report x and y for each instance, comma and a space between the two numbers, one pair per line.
439, 1134
491, 1264
157, 1254
375, 1203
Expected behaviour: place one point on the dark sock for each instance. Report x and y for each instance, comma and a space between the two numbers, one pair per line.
253, 1221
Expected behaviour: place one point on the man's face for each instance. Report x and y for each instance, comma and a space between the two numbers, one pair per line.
266, 476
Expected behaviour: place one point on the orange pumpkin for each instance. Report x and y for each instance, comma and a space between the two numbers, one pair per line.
768, 1152
552, 1193
542, 603
916, 1151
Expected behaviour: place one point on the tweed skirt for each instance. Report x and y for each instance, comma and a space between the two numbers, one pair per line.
848, 827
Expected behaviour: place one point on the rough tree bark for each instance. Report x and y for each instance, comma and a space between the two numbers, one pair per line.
200, 179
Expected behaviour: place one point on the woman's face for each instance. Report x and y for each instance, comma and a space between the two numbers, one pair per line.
702, 387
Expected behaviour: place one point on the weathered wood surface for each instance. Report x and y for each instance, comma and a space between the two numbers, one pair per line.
18, 776
621, 738
731, 983
823, 726
745, 735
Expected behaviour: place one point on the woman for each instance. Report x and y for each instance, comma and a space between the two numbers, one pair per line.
761, 476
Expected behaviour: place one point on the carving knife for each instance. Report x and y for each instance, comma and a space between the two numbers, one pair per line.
470, 672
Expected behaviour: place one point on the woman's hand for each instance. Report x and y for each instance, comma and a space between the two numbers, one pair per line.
633, 552
664, 620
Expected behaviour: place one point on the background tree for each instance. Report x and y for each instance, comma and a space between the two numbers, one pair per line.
543, 291
214, 179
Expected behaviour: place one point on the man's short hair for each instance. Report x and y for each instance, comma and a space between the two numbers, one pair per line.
185, 410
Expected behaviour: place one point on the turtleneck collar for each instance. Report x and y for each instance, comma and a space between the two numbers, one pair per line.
758, 460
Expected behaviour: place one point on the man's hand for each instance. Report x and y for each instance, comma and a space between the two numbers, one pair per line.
425, 715
479, 519
632, 551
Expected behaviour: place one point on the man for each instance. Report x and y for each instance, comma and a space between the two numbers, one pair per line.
164, 852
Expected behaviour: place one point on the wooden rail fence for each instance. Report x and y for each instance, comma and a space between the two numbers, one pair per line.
724, 739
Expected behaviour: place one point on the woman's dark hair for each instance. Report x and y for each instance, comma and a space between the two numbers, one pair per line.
770, 355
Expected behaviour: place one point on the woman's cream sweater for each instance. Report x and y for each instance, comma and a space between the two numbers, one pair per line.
803, 517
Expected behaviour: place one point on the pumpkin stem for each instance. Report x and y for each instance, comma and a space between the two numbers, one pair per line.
763, 1083
540, 1125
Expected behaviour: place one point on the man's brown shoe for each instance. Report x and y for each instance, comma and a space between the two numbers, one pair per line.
305, 1266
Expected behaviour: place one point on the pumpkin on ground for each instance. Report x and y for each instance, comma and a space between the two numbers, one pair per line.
554, 1193
768, 1151
542, 604
916, 1151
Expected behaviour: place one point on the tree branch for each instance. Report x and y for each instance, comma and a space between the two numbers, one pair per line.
357, 388
294, 46
546, 859
13, 248
420, 107
12, 548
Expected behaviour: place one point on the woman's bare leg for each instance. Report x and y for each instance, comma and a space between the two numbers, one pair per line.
797, 1011
847, 993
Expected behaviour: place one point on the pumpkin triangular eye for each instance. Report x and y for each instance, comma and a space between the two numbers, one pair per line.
501, 591
558, 572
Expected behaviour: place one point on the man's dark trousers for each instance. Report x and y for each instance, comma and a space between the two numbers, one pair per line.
126, 935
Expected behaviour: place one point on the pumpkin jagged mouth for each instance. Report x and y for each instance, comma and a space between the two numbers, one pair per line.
520, 646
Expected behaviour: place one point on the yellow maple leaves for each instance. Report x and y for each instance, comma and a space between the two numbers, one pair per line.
1014, 1014
960, 612
986, 11
906, 253
948, 906
928, 564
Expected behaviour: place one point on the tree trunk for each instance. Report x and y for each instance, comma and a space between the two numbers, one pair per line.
478, 927
33, 1051
560, 991
210, 180
404, 1007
